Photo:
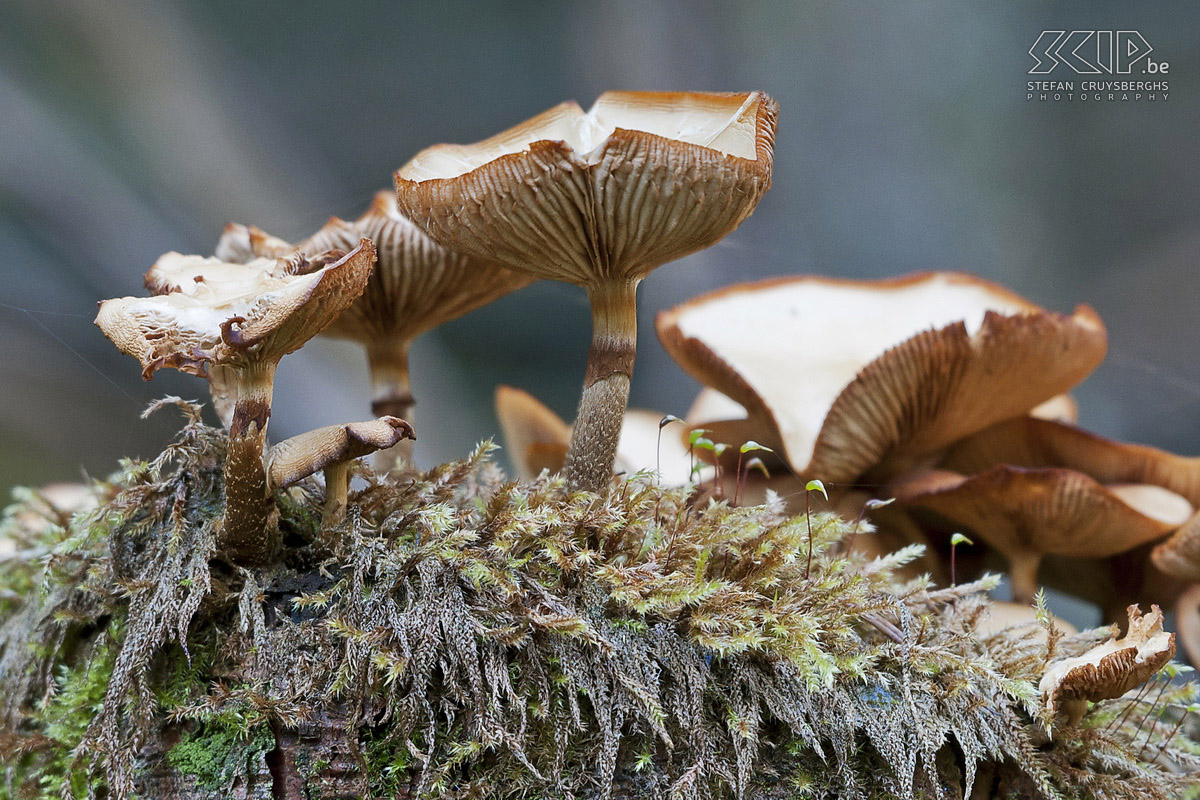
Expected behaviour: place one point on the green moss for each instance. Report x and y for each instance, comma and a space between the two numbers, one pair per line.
217, 752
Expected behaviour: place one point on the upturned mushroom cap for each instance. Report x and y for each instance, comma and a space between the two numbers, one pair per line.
536, 438
242, 243
296, 458
863, 375
1057, 511
609, 194
1110, 669
245, 314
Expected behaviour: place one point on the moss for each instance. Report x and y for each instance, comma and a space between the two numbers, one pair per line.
218, 752
471, 636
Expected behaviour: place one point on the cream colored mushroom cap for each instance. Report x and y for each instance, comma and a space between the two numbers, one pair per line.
236, 320
1110, 669
640, 179
855, 373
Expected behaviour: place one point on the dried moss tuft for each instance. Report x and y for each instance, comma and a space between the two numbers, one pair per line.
468, 636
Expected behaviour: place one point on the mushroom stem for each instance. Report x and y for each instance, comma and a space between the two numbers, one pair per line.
248, 535
593, 448
391, 395
1023, 573
337, 484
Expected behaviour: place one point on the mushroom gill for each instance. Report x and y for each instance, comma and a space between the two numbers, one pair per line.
874, 377
599, 199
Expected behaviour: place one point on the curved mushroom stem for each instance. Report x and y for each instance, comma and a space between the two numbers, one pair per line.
391, 396
249, 535
337, 485
1023, 573
593, 448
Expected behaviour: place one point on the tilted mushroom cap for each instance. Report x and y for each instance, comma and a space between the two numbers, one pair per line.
1056, 511
259, 314
1110, 669
416, 286
536, 438
1179, 556
640, 179
1047, 443
855, 374
294, 459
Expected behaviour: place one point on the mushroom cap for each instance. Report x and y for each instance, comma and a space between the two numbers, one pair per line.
1060, 408
1110, 669
296, 458
856, 374
1179, 556
640, 179
417, 284
245, 314
1057, 511
1049, 443
537, 438
241, 243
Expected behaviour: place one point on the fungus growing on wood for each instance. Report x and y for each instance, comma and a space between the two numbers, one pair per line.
240, 323
599, 199
875, 376
1108, 670
332, 449
1026, 513
416, 286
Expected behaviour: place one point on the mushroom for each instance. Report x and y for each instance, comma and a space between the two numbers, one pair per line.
1107, 670
599, 199
332, 449
537, 438
876, 377
1031, 442
241, 322
416, 286
1025, 513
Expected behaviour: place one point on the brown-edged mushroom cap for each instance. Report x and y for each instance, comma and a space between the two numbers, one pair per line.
1179, 556
873, 376
241, 323
599, 199
1026, 513
332, 449
416, 286
1107, 670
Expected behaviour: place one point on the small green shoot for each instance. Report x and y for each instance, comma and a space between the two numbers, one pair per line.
955, 541
809, 488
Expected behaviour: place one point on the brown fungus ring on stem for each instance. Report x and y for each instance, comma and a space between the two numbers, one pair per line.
191, 327
599, 199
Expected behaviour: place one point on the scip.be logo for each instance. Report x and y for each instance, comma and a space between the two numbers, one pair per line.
1091, 52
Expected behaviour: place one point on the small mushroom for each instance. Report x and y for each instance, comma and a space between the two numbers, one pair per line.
599, 199
1026, 513
1108, 670
241, 322
416, 286
332, 449
876, 377
537, 438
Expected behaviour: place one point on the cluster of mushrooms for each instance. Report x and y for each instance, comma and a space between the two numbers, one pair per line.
942, 391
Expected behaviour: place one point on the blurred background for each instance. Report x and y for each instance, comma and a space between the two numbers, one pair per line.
128, 129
